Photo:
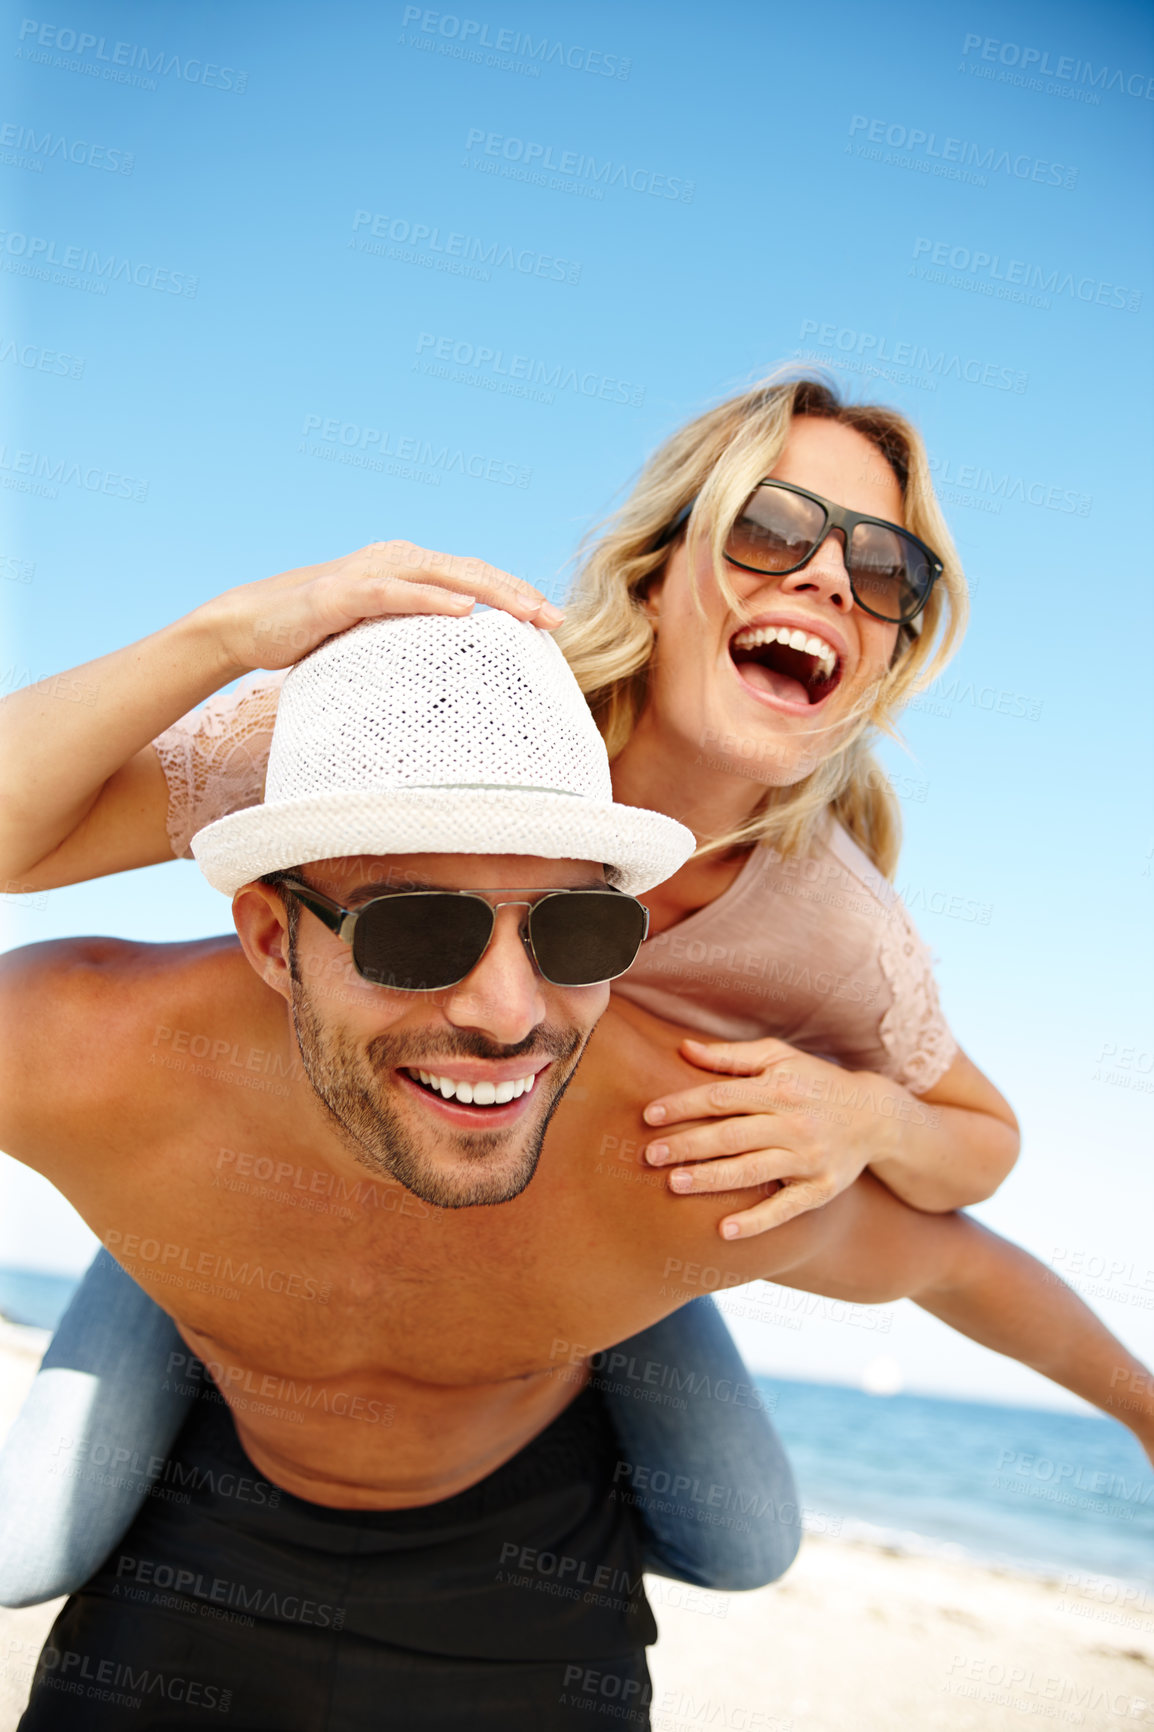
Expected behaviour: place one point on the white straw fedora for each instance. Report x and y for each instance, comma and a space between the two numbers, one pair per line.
438, 735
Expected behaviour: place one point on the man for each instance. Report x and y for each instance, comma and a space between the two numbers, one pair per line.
408, 1434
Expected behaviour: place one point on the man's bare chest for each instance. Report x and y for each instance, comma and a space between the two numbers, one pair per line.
289, 1256
290, 1264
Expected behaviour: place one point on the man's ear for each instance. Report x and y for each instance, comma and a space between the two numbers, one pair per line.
261, 922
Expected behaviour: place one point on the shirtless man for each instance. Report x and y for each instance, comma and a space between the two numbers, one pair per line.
410, 1485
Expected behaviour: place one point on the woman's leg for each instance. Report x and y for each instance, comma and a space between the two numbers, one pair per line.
109, 1399
701, 1463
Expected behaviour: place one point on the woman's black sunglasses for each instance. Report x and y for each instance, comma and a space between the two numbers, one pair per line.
780, 528
425, 940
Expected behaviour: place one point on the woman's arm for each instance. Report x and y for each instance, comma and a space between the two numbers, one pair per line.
868, 1248
951, 1146
787, 1116
82, 792
871, 1249
998, 1294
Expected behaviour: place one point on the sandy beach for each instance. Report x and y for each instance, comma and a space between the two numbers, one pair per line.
857, 1638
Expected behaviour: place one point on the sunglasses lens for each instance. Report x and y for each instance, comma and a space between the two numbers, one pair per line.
583, 938
776, 530
891, 575
422, 941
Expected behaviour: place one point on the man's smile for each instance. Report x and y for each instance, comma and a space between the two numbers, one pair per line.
490, 1099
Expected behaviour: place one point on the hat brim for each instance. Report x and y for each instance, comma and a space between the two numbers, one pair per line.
639, 848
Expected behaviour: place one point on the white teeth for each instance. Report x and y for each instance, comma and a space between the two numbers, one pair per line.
478, 1094
823, 653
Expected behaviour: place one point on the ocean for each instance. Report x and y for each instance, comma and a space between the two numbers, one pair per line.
33, 1298
1018, 1487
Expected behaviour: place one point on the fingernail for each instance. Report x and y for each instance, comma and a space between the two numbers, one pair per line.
657, 1152
547, 611
730, 1230
467, 600
680, 1181
655, 1115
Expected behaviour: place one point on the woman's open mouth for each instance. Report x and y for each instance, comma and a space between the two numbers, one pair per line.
795, 667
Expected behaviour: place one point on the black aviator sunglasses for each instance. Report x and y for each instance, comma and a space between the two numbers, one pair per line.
426, 940
780, 528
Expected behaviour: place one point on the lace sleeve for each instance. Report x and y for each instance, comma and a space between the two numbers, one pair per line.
913, 1030
214, 759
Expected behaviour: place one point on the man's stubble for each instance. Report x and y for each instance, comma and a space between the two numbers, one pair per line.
487, 1166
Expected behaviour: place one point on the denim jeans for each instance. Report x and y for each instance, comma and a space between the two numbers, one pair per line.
702, 1467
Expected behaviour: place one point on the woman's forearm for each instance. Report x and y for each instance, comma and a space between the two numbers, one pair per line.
63, 738
948, 1157
949, 1147
75, 799
999, 1295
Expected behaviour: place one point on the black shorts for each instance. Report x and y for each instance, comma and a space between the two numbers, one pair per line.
229, 1603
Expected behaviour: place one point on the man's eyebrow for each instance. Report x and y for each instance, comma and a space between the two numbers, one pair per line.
391, 886
365, 892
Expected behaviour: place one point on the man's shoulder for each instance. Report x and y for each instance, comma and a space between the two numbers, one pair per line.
632, 1058
80, 1018
116, 977
631, 1048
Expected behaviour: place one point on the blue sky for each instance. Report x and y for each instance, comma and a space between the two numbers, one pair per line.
295, 212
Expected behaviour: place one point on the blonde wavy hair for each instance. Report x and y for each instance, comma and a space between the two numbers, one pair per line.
718, 459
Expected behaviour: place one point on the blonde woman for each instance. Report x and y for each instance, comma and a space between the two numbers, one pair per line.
777, 585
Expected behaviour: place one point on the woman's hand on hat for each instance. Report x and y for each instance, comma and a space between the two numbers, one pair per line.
277, 621
783, 1118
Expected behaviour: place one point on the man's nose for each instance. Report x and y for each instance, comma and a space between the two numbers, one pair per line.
504, 994
825, 575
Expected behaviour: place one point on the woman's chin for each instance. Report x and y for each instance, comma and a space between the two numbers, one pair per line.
788, 729
776, 756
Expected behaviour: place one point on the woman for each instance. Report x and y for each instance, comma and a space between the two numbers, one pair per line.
738, 641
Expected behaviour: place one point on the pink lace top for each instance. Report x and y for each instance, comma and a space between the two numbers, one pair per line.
214, 759
817, 951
